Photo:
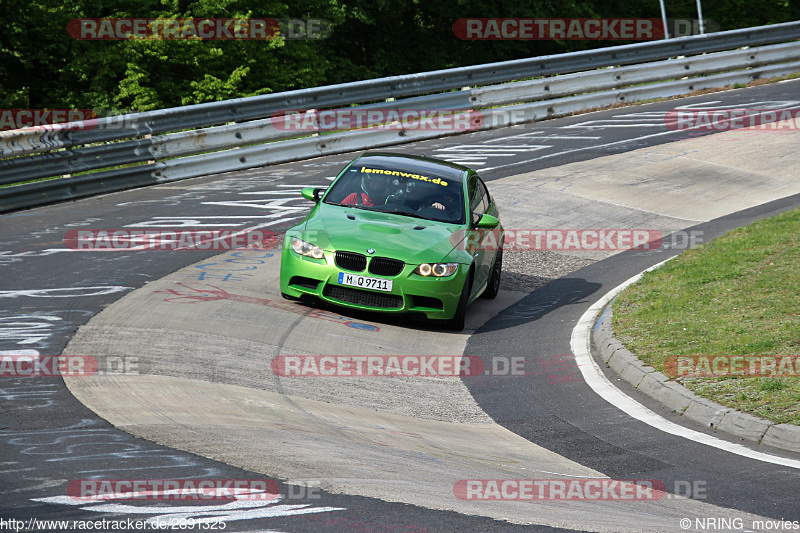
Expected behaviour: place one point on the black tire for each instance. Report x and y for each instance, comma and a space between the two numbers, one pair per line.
457, 322
493, 287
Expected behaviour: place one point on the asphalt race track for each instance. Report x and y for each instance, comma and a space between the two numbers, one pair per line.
185, 340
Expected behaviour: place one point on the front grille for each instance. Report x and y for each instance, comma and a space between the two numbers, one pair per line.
383, 266
366, 298
350, 261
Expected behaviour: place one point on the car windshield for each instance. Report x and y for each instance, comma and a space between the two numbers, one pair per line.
391, 190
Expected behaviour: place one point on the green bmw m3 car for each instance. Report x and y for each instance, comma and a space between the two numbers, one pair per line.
395, 234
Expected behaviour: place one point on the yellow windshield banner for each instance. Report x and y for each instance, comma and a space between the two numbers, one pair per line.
437, 181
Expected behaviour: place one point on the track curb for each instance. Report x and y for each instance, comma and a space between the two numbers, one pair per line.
681, 400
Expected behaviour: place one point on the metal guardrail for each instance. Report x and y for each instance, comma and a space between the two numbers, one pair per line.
637, 71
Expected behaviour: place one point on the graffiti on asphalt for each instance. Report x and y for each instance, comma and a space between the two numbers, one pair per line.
211, 293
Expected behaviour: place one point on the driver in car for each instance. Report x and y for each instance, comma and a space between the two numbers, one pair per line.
373, 192
448, 201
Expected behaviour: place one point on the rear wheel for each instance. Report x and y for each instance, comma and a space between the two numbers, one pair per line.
493, 287
457, 322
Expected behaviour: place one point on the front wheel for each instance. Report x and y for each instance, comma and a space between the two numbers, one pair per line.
493, 287
457, 322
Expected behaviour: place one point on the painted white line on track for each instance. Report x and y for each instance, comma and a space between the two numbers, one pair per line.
496, 147
701, 105
513, 136
596, 124
562, 137
592, 147
594, 377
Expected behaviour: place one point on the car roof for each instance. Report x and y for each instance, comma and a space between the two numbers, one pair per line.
392, 161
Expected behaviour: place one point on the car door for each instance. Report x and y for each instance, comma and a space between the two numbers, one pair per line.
489, 248
478, 204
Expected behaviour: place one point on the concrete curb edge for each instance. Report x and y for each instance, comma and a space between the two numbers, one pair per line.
681, 400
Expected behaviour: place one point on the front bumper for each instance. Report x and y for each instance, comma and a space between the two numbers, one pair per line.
436, 298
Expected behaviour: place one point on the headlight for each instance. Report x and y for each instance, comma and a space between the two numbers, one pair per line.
307, 249
439, 270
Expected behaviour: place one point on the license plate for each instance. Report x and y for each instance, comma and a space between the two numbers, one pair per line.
364, 282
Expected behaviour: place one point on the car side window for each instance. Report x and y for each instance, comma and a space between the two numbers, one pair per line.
479, 203
476, 194
487, 197
472, 186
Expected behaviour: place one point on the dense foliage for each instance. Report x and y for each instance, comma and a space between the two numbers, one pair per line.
41, 66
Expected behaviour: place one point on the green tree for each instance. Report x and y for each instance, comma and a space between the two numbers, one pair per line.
41, 66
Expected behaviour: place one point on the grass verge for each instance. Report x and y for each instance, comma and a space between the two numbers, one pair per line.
736, 295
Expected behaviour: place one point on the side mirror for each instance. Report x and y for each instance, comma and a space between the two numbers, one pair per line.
487, 222
311, 193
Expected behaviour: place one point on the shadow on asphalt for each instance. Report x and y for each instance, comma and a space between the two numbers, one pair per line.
544, 300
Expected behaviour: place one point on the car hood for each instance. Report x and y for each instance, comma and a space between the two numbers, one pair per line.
399, 237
